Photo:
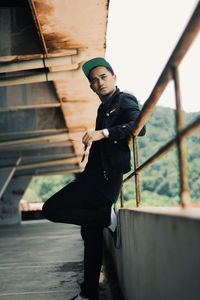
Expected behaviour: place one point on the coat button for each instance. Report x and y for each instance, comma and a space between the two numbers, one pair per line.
124, 126
115, 142
107, 114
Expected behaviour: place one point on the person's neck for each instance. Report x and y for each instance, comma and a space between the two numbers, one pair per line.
105, 98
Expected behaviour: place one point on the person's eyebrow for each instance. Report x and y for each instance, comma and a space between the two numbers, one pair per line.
95, 77
103, 74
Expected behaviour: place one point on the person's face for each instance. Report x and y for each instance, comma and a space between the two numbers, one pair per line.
102, 82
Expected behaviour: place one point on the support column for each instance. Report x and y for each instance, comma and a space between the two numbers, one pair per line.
10, 213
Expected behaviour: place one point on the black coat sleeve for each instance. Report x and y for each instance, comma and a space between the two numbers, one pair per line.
129, 112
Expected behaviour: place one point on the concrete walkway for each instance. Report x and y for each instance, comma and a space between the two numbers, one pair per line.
40, 260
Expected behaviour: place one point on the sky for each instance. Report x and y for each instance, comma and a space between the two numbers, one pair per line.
141, 36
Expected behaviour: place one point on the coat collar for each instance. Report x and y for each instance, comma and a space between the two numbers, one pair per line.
112, 99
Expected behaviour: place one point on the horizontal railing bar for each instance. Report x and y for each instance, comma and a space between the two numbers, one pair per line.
175, 59
183, 133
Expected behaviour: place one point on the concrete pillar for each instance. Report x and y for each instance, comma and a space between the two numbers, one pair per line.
9, 202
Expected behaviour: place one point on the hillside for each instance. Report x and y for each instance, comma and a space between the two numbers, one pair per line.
160, 180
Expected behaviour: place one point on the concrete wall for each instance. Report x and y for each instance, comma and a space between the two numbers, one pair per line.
159, 258
9, 202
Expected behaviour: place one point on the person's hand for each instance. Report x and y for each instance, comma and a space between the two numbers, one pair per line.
91, 136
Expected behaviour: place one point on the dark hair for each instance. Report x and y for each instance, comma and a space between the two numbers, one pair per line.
109, 69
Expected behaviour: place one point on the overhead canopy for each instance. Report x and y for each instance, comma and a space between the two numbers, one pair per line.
45, 100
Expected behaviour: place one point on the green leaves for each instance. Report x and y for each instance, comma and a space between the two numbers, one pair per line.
160, 181
43, 187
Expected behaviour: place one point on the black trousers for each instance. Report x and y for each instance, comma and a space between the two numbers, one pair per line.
85, 202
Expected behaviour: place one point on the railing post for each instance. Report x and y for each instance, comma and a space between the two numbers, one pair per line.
122, 197
137, 175
181, 143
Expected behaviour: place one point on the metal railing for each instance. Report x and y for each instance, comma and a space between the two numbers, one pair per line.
170, 72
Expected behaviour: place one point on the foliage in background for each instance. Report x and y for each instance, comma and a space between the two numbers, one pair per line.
43, 187
160, 181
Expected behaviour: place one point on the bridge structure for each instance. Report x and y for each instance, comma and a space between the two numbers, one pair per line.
45, 108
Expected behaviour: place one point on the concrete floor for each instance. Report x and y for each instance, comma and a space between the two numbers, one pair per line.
40, 260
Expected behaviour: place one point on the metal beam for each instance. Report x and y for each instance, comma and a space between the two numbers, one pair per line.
42, 105
37, 140
33, 132
71, 171
181, 143
69, 63
12, 58
54, 162
53, 156
9, 177
40, 77
53, 149
29, 106
34, 147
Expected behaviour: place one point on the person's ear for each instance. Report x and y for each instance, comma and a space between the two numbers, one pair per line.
115, 77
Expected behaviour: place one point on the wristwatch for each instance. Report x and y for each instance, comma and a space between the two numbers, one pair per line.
105, 133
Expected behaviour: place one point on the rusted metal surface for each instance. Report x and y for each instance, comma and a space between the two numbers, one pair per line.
188, 36
163, 150
181, 143
137, 175
67, 25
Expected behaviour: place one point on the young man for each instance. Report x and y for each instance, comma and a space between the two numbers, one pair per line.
87, 200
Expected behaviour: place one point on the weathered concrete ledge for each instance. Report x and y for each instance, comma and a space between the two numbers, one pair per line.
159, 258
